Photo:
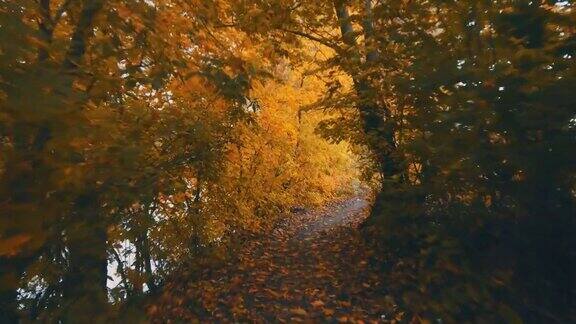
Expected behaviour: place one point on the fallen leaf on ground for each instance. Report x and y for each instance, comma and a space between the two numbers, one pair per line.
299, 311
317, 303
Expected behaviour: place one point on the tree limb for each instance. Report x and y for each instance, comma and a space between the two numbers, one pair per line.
78, 43
311, 37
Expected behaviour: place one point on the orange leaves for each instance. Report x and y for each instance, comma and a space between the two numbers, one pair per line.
276, 277
12, 245
277, 160
299, 311
317, 303
328, 312
274, 294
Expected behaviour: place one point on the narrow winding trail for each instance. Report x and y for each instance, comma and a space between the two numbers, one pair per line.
313, 267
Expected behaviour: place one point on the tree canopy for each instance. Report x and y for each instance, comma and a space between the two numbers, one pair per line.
138, 137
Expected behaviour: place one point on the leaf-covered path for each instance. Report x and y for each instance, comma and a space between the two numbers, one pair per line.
313, 267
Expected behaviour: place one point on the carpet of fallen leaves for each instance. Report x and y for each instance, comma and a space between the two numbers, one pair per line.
313, 267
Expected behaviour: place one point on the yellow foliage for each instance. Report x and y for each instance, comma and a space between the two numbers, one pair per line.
277, 161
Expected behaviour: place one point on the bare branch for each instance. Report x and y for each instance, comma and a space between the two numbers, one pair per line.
317, 39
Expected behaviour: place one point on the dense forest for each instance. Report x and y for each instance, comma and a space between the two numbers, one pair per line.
145, 142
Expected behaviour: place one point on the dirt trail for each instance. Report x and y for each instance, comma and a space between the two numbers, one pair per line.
346, 213
313, 267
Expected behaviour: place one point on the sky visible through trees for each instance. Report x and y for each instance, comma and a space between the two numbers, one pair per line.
283, 160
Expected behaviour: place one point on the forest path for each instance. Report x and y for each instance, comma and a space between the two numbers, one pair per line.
314, 267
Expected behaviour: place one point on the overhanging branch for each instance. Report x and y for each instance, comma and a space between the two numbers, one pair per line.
317, 39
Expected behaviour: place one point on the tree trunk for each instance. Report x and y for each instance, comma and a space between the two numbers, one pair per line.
375, 119
129, 289
376, 123
84, 285
148, 263
81, 34
83, 270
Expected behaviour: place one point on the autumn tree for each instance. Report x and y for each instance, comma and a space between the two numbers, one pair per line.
61, 99
131, 144
488, 131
